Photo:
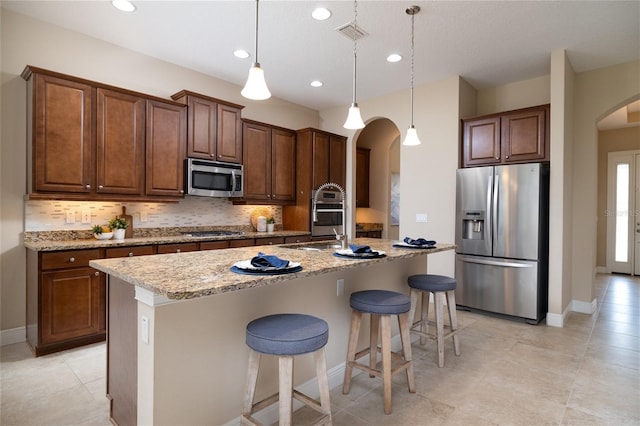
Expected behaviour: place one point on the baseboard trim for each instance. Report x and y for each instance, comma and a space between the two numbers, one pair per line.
584, 307
557, 320
13, 335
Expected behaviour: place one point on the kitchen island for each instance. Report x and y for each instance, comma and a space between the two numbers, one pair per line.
176, 324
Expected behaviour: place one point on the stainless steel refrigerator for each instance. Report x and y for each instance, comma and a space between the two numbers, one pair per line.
502, 238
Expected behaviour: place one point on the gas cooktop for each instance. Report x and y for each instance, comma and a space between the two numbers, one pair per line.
212, 233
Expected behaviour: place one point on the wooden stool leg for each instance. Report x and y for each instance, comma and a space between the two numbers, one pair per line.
424, 317
354, 331
286, 390
250, 385
414, 304
323, 382
439, 301
373, 341
453, 320
386, 361
404, 324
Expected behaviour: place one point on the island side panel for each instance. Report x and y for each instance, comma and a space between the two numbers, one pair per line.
122, 352
197, 350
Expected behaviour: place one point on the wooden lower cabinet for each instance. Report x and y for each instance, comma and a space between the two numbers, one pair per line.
177, 248
65, 300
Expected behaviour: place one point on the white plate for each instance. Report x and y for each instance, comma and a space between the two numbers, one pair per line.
350, 253
246, 264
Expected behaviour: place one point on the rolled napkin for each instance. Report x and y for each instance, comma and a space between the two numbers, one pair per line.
355, 248
419, 242
268, 260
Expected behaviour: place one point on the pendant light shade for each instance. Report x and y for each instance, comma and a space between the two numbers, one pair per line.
354, 119
411, 139
256, 86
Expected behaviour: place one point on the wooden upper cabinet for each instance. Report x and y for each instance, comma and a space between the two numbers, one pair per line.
321, 155
214, 129
120, 145
524, 135
269, 163
338, 160
60, 126
362, 177
328, 156
165, 148
518, 136
481, 141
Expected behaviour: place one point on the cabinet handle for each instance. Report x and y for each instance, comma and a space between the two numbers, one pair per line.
130, 254
87, 186
72, 259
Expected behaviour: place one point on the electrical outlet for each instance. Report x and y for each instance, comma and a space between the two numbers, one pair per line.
86, 217
143, 217
340, 287
421, 217
144, 329
70, 217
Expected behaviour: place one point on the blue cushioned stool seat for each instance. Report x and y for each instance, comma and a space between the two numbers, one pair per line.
383, 302
287, 334
430, 282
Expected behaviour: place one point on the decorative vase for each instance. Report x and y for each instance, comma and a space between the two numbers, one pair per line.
118, 234
262, 224
270, 227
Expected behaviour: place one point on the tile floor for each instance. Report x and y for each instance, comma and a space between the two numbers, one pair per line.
587, 373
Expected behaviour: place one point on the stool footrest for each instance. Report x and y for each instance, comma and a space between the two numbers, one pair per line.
433, 336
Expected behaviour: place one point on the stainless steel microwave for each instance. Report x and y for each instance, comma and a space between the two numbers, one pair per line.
213, 178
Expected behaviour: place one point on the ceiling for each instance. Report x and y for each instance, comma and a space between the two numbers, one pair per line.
488, 43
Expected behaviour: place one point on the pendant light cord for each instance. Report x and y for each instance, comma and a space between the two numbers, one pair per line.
412, 55
355, 44
257, 2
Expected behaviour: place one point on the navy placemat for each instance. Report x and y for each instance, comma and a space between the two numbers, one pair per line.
369, 256
266, 272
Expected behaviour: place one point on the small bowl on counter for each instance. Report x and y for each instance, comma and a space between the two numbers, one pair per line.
103, 236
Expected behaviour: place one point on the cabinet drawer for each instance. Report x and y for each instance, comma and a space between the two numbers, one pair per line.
69, 258
246, 242
129, 251
269, 241
214, 245
297, 239
177, 248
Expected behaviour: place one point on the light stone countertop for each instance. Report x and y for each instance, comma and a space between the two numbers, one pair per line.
195, 274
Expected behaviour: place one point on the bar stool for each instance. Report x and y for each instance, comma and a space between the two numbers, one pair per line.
286, 335
380, 304
440, 286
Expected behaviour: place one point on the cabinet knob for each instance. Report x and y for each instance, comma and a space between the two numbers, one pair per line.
497, 158
72, 259
178, 251
182, 191
212, 155
507, 157
97, 273
87, 186
100, 187
130, 254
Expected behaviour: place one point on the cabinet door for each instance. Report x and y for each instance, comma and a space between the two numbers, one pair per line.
257, 161
481, 142
229, 134
283, 165
524, 136
72, 303
201, 128
166, 148
120, 143
62, 150
321, 148
338, 160
362, 177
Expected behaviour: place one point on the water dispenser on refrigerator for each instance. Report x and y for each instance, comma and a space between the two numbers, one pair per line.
473, 222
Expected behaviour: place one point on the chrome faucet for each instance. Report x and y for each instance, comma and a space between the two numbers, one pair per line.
342, 238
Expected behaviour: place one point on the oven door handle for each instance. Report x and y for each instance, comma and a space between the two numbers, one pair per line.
329, 210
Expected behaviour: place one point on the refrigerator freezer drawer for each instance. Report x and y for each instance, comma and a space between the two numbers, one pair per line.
502, 286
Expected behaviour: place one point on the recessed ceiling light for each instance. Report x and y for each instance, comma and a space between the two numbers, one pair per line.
321, 14
123, 5
394, 57
316, 83
242, 54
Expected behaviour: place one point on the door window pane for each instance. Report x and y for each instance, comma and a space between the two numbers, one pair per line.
622, 213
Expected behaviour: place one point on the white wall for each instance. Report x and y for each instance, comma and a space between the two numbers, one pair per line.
26, 41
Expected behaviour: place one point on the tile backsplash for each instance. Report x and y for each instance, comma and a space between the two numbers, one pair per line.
51, 215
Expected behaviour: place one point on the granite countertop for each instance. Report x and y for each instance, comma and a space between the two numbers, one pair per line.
69, 240
195, 274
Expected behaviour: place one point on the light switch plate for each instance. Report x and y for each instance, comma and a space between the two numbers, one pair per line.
144, 217
421, 217
70, 217
86, 217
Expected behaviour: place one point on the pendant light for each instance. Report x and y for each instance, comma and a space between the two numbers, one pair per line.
256, 87
411, 139
354, 119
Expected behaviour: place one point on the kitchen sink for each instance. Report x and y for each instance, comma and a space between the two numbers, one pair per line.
314, 246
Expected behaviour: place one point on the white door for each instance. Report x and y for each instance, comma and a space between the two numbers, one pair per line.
623, 242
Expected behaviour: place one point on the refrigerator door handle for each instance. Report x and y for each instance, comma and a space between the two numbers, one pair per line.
489, 222
495, 263
494, 210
